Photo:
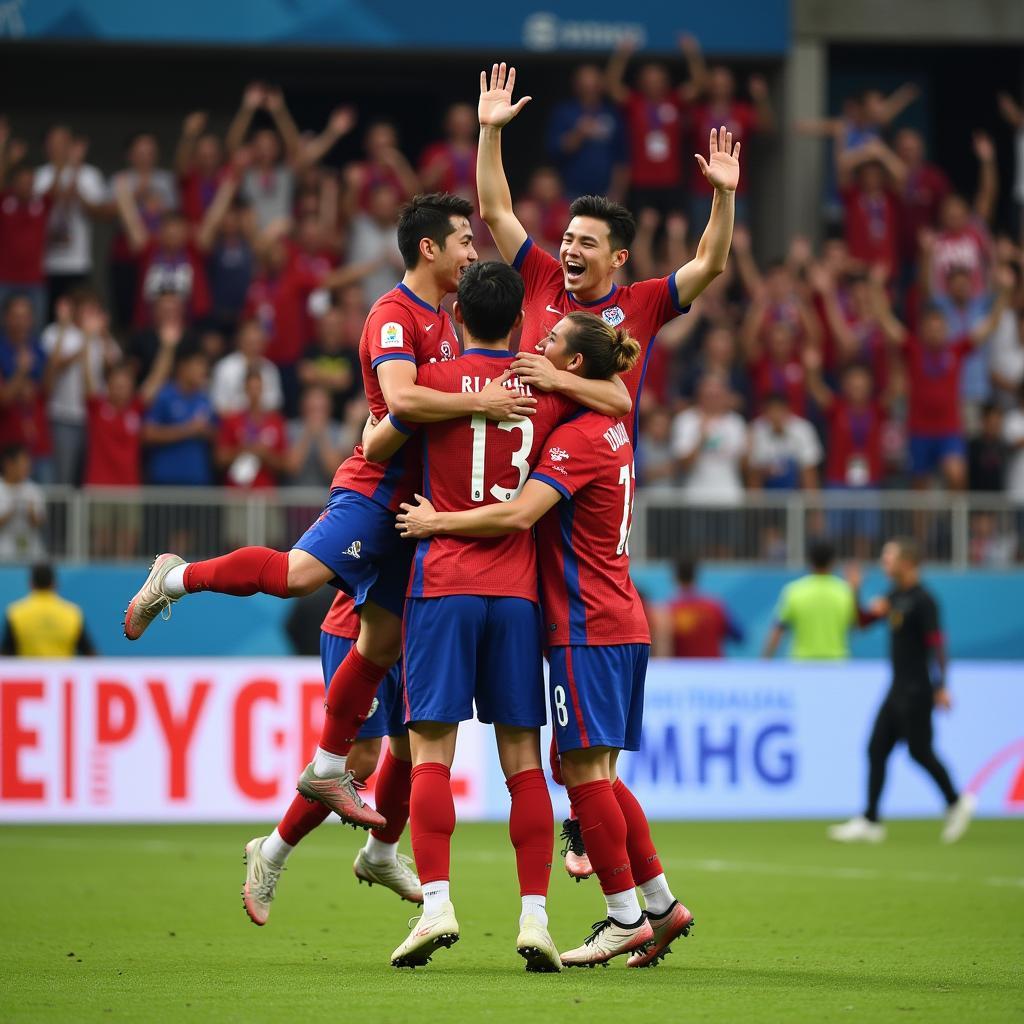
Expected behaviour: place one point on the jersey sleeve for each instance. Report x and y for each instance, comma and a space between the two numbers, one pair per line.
537, 268
568, 461
930, 625
390, 331
784, 608
659, 297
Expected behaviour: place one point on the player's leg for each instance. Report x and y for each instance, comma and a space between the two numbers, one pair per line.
577, 863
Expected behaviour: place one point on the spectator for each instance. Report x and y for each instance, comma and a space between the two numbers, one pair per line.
180, 426
1013, 434
934, 363
775, 367
544, 210
384, 164
251, 443
990, 544
655, 118
922, 193
80, 199
64, 343
655, 463
784, 449
587, 141
168, 319
228, 390
720, 107
230, 265
23, 419
820, 609
44, 625
987, 452
373, 244
710, 442
450, 164
1006, 346
691, 624
199, 164
315, 447
332, 364
22, 508
864, 116
717, 356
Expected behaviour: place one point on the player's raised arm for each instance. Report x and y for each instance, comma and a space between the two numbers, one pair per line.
495, 110
722, 169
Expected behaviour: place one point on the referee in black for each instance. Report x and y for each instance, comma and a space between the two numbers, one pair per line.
918, 655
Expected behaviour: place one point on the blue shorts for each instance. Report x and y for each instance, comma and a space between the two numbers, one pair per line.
597, 695
388, 717
357, 539
927, 454
460, 650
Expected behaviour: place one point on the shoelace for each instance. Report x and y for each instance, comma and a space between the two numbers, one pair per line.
573, 837
406, 864
348, 781
598, 926
267, 876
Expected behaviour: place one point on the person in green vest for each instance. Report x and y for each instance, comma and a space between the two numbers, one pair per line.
819, 610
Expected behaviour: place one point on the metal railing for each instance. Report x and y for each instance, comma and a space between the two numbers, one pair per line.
112, 524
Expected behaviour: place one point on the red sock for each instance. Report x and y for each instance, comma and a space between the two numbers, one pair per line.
242, 573
300, 819
432, 821
643, 857
531, 825
391, 797
604, 834
555, 763
349, 699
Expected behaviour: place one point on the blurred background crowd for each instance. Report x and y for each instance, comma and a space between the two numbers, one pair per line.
192, 317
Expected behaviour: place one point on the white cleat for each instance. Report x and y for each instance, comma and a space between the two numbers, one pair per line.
397, 875
609, 939
151, 599
261, 877
428, 934
857, 830
958, 817
537, 948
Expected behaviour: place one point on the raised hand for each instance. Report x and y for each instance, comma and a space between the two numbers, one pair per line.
984, 148
342, 120
722, 169
254, 96
194, 124
496, 108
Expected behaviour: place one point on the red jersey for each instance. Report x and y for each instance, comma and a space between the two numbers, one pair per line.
655, 140
582, 543
854, 448
474, 461
400, 325
182, 272
23, 238
642, 308
459, 176
240, 429
789, 378
114, 443
197, 192
279, 303
969, 249
738, 117
700, 625
341, 619
872, 227
922, 195
933, 376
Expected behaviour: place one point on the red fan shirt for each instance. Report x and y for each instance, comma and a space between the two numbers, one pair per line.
241, 429
854, 456
655, 140
114, 443
933, 376
739, 118
23, 238
872, 226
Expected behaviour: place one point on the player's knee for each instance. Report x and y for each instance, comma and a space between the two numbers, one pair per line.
382, 647
399, 747
305, 574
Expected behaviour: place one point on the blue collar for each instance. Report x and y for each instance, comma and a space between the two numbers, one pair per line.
403, 287
596, 302
494, 353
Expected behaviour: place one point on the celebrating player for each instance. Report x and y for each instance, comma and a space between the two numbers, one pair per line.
379, 862
352, 543
472, 623
599, 642
595, 246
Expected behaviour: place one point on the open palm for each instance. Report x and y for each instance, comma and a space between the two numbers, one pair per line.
722, 168
496, 107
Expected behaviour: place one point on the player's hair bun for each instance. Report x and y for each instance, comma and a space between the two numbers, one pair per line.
625, 350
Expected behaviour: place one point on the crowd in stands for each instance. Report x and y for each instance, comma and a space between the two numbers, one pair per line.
216, 342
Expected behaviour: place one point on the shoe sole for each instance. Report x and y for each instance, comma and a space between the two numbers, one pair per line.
537, 961
637, 948
131, 604
371, 882
421, 957
656, 958
245, 896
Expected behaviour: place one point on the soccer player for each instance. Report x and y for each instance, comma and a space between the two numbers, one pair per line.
379, 861
595, 246
472, 622
352, 544
918, 655
581, 498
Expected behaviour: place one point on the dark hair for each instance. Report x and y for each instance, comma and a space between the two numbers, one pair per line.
909, 549
621, 225
428, 216
42, 577
821, 554
605, 349
13, 298
776, 398
988, 408
859, 365
12, 452
490, 298
686, 571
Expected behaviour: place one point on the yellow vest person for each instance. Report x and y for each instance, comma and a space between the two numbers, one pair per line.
43, 624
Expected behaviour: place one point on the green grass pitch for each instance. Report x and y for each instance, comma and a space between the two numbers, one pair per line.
146, 924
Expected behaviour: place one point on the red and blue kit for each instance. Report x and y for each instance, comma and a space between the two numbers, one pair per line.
594, 620
355, 534
642, 308
472, 622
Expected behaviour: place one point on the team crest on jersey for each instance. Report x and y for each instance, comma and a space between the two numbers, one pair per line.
391, 335
613, 315
446, 351
558, 455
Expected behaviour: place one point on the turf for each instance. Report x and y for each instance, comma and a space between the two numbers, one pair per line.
145, 923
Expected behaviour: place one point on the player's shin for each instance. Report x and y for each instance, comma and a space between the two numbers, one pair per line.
349, 699
643, 857
531, 828
391, 796
242, 573
431, 825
